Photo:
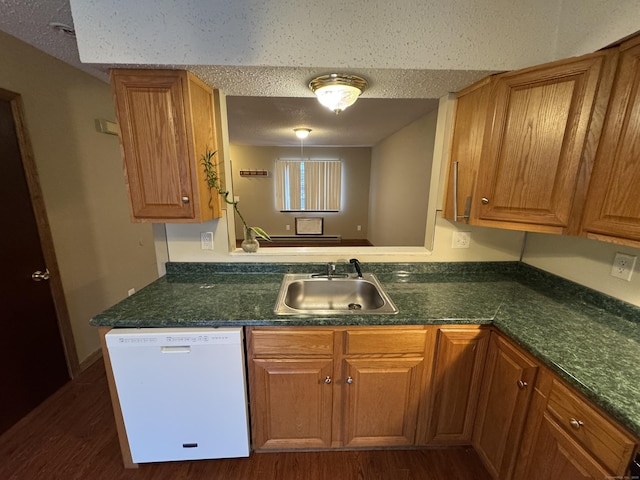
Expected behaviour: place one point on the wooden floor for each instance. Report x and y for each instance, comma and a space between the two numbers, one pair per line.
71, 436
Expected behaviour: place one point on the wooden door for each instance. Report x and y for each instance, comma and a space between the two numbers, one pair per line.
506, 392
612, 212
381, 401
556, 456
32, 357
291, 403
546, 125
459, 363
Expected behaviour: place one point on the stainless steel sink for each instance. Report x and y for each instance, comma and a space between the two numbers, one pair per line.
304, 294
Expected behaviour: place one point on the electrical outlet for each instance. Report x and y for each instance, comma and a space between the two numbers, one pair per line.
287, 227
206, 240
461, 240
131, 291
623, 266
359, 228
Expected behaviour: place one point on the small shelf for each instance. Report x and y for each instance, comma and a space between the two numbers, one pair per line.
254, 173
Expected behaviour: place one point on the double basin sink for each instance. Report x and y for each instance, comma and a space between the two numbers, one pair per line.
302, 294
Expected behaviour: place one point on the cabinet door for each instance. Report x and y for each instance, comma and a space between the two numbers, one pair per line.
612, 212
151, 116
472, 108
291, 403
507, 388
382, 396
546, 125
166, 120
556, 456
459, 363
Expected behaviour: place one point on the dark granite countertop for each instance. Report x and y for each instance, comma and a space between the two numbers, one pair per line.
589, 339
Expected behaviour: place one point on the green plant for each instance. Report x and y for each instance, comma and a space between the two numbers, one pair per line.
213, 181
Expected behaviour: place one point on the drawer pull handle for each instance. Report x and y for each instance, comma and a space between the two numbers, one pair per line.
185, 199
576, 424
349, 380
522, 385
327, 380
485, 200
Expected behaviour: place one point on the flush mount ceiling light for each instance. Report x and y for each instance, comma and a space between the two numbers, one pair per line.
302, 133
338, 91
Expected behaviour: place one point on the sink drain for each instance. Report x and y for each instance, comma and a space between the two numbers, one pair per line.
354, 306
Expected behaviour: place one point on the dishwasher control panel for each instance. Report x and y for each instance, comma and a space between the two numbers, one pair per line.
166, 337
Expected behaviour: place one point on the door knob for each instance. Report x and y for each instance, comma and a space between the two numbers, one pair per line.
185, 199
349, 380
39, 276
327, 380
484, 200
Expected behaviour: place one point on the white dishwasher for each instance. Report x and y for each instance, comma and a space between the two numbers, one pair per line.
182, 392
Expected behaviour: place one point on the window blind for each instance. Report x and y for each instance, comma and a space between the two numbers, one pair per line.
308, 185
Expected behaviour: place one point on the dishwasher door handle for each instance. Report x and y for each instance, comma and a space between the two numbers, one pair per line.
176, 349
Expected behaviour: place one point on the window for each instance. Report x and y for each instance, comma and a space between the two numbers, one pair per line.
308, 185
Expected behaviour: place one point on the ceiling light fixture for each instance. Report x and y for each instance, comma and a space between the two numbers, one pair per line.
302, 133
338, 91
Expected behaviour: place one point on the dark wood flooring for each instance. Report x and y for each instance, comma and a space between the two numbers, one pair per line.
71, 436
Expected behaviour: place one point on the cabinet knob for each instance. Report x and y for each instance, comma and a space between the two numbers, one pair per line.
522, 385
349, 380
185, 199
327, 380
484, 200
576, 424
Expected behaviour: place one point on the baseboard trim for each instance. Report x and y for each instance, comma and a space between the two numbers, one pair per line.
90, 360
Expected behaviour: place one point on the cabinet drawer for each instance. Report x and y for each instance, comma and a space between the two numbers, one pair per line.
608, 443
292, 342
385, 341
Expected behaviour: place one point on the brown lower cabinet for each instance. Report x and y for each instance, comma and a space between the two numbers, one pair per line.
507, 386
336, 387
367, 387
567, 438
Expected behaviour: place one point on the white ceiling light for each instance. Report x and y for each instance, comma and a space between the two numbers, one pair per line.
302, 133
338, 91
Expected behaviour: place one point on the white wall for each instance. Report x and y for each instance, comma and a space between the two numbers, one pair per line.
399, 186
584, 261
100, 253
257, 194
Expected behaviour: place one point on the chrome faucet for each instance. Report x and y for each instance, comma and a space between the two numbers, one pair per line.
331, 270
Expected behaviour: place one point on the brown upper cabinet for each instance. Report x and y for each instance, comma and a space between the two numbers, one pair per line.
167, 120
612, 211
472, 107
534, 158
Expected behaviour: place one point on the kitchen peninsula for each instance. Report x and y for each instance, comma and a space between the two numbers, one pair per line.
577, 339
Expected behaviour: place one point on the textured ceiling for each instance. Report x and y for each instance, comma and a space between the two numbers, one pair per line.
409, 49
247, 126
266, 121
29, 21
